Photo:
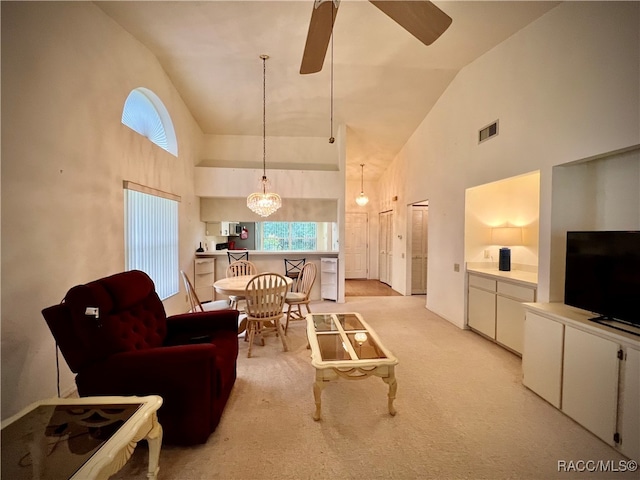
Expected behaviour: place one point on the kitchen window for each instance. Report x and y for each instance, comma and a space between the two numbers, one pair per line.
288, 236
151, 236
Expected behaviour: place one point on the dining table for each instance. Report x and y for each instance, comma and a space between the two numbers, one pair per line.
237, 285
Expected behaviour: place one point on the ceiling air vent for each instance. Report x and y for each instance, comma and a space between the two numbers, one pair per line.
488, 132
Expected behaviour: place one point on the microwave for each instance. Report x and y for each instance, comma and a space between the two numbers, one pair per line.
235, 228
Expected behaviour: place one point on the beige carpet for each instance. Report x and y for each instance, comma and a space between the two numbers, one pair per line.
462, 414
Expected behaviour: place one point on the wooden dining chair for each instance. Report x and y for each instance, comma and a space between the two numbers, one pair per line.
265, 295
300, 295
195, 303
198, 306
235, 256
235, 269
292, 269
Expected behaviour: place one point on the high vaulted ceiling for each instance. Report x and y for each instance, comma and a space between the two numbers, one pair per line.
384, 80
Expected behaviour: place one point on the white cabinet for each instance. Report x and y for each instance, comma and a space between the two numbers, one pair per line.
590, 372
510, 314
495, 309
218, 229
590, 382
482, 305
629, 404
204, 275
329, 278
542, 357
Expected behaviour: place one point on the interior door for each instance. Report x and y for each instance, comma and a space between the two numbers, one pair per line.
356, 245
419, 249
385, 264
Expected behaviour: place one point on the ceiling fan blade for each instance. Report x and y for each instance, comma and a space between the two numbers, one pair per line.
420, 18
320, 28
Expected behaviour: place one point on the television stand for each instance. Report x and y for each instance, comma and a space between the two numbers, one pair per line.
617, 324
590, 371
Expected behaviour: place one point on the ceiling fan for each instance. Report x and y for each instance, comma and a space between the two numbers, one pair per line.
421, 18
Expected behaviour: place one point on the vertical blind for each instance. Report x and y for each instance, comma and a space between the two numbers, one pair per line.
151, 236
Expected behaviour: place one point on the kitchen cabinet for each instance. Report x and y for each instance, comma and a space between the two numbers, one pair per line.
217, 229
589, 371
204, 275
221, 229
494, 309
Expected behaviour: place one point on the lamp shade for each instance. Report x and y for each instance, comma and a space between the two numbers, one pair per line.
506, 236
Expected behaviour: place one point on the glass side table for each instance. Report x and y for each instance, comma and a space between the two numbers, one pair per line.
80, 438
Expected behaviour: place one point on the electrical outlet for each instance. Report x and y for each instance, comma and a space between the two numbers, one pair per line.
487, 253
456, 267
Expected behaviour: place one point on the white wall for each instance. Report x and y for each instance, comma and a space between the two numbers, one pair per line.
292, 210
241, 182
564, 88
599, 194
67, 69
245, 151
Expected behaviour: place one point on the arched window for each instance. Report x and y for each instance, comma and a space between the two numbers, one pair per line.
145, 113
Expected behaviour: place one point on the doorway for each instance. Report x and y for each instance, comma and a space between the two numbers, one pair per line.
419, 248
356, 248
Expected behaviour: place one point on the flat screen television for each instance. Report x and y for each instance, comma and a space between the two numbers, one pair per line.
603, 275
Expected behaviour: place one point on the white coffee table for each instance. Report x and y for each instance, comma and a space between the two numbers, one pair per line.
343, 345
80, 438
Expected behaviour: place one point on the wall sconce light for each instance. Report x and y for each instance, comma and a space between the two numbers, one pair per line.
506, 236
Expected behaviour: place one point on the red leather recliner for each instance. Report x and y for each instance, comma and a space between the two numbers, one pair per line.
132, 348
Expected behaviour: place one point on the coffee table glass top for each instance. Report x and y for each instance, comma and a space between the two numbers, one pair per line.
54, 441
345, 337
348, 321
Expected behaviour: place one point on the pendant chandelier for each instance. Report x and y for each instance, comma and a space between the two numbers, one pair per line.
362, 199
264, 203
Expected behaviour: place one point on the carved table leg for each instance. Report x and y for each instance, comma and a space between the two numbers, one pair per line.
317, 392
154, 439
393, 387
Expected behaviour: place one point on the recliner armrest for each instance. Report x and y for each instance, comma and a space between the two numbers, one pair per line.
156, 358
202, 322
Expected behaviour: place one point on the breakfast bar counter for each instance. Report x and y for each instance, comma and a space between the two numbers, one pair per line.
270, 253
269, 261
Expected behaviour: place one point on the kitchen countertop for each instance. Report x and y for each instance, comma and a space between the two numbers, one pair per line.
217, 253
519, 276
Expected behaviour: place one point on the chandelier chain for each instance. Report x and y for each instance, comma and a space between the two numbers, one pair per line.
263, 203
333, 17
264, 115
